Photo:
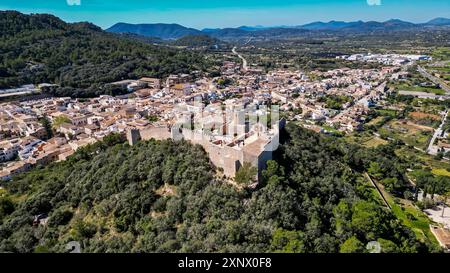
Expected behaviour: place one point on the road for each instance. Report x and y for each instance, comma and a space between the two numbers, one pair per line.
433, 150
434, 79
244, 61
5, 95
361, 100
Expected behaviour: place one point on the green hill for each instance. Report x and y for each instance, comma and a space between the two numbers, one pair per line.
80, 57
198, 41
163, 196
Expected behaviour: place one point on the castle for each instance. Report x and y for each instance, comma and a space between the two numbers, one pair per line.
230, 136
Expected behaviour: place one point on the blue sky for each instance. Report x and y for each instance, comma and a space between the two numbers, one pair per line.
232, 13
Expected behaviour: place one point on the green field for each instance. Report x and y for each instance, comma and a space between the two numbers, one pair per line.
445, 69
434, 90
375, 121
411, 135
375, 142
442, 53
387, 112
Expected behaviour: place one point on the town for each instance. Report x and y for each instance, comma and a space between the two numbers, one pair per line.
334, 101
236, 117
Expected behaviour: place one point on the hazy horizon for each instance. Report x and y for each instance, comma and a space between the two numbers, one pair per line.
201, 14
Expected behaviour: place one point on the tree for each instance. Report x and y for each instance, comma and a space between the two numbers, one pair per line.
84, 230
387, 246
112, 139
367, 219
61, 216
246, 174
352, 245
273, 174
152, 118
342, 215
392, 184
444, 203
60, 120
439, 155
422, 182
6, 207
287, 241
375, 170
47, 125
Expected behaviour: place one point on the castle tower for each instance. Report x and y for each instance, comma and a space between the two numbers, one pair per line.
133, 136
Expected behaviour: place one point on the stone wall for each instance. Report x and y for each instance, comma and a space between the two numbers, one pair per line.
158, 133
228, 158
225, 157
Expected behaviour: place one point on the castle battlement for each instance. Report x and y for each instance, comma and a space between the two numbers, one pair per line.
252, 143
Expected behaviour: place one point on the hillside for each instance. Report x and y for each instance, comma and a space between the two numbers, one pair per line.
80, 57
162, 196
197, 41
163, 31
439, 22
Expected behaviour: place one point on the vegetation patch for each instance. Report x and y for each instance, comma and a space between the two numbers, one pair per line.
412, 134
112, 197
375, 142
441, 172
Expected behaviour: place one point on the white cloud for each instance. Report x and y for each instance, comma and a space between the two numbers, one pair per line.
374, 2
73, 2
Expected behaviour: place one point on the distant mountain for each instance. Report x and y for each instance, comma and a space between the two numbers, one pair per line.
393, 24
163, 31
329, 25
439, 22
384, 26
253, 28
398, 23
175, 31
235, 33
210, 30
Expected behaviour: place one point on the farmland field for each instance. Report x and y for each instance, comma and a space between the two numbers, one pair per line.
412, 134
375, 142
415, 88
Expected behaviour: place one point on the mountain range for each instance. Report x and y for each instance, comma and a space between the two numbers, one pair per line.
175, 31
163, 31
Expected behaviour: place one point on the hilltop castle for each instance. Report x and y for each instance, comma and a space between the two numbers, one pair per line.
230, 136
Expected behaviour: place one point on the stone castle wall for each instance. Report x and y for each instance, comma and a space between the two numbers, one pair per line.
222, 156
158, 133
225, 157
